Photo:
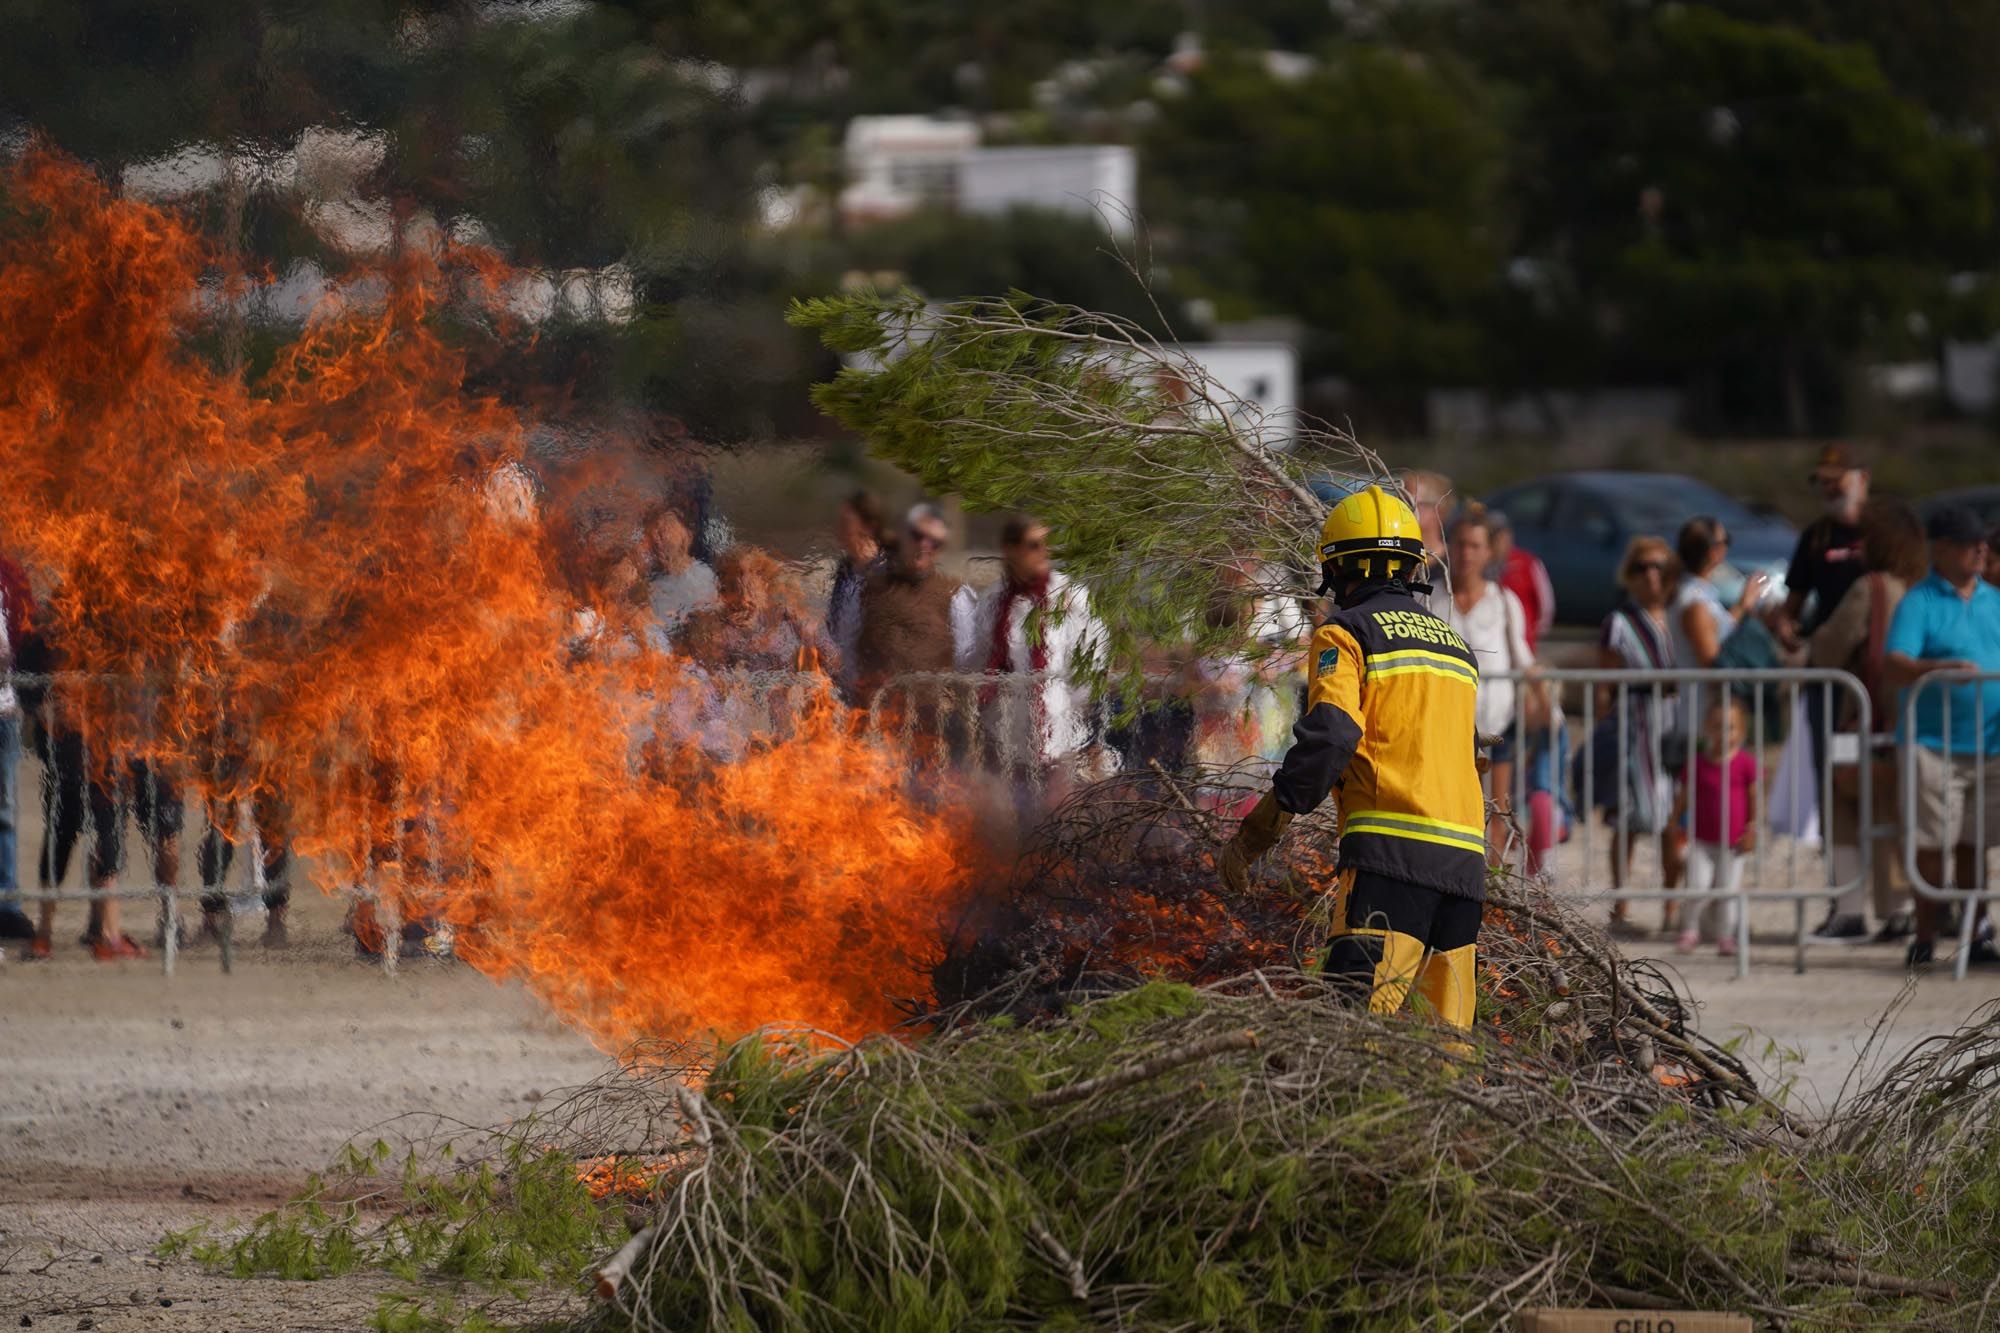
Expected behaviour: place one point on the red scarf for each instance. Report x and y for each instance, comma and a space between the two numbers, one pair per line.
1001, 658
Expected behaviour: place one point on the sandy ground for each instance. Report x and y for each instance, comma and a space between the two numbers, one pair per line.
134, 1103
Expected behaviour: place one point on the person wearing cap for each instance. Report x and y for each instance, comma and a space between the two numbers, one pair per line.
1950, 621
1828, 558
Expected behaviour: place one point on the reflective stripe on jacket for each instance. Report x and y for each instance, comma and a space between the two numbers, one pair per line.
1389, 722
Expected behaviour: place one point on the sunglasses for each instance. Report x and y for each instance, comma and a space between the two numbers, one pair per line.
1649, 567
926, 538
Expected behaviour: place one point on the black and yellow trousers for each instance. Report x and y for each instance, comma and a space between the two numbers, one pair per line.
1390, 937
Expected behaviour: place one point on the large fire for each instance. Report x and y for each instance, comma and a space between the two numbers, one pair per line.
313, 547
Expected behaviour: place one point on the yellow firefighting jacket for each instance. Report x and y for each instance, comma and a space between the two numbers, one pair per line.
1389, 722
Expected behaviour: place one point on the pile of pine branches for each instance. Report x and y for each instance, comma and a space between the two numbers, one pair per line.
1261, 1153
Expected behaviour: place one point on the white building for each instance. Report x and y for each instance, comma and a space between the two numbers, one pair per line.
1264, 375
1092, 179
898, 164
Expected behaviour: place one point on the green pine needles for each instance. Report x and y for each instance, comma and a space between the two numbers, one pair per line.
1160, 488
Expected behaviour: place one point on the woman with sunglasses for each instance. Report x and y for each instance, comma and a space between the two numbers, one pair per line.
1631, 785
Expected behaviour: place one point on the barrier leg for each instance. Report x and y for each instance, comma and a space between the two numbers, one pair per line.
388, 914
170, 928
1743, 930
1968, 922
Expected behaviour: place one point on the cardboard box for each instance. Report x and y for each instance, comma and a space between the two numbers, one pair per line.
1540, 1320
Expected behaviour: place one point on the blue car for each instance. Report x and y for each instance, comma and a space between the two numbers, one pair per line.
1580, 522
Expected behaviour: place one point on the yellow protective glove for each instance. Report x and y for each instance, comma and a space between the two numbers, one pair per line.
1257, 834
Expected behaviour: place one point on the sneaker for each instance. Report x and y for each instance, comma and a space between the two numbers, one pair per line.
1982, 954
1689, 941
1726, 946
1841, 928
1899, 926
40, 946
1919, 954
113, 948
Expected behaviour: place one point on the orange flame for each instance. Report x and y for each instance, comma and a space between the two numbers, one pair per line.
311, 548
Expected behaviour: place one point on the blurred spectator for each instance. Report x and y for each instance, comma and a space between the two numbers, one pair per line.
1240, 697
677, 583
1490, 620
1430, 496
1700, 623
1949, 621
1829, 555
1630, 785
16, 616
217, 850
1724, 823
1279, 619
1993, 557
141, 790
1701, 626
1523, 574
746, 654
1034, 628
620, 618
74, 788
913, 616
268, 629
1854, 638
860, 534
1824, 566
758, 622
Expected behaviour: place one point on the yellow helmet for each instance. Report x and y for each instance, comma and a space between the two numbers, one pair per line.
1376, 531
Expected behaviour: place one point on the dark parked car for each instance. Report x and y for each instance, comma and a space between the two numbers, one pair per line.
1579, 524
1981, 500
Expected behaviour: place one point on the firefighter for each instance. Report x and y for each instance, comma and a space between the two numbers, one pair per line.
1389, 724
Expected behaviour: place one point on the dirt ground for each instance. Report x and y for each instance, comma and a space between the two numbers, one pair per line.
135, 1103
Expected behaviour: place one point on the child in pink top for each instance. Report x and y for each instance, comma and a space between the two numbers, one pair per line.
1725, 822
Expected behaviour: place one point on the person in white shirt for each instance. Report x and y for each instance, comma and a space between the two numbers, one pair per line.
1034, 626
1491, 621
679, 583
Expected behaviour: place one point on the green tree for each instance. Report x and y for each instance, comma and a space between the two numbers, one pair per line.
1732, 205
1362, 198
1787, 212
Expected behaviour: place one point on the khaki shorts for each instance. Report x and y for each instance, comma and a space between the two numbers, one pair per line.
1946, 790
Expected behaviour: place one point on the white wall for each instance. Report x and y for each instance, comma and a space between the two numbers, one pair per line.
1096, 179
1264, 373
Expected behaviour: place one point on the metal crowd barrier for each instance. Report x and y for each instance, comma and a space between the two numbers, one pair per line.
992, 726
977, 723
1649, 715
1964, 787
84, 776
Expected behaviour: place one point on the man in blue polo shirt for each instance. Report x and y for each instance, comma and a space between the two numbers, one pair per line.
1950, 622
